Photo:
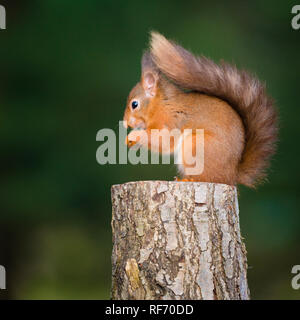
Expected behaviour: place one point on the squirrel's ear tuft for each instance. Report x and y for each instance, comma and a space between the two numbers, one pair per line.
149, 82
149, 75
147, 62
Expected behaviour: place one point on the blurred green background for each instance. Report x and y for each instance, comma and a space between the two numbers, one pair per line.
66, 69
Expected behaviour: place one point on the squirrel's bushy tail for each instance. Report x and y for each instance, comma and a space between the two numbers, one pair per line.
241, 90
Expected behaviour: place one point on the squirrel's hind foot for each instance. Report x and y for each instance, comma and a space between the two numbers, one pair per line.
185, 180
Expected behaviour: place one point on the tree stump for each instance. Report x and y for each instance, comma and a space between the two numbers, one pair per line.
177, 240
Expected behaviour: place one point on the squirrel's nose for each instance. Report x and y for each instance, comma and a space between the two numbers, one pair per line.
132, 122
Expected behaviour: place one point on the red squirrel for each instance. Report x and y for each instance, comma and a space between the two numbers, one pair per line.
178, 90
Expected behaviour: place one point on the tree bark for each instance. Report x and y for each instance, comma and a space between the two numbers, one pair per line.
177, 240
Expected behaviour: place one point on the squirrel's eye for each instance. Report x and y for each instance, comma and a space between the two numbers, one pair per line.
134, 104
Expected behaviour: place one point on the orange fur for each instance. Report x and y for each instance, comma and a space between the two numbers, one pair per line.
231, 106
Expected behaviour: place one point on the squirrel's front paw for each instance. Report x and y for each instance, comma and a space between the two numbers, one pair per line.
130, 143
133, 138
